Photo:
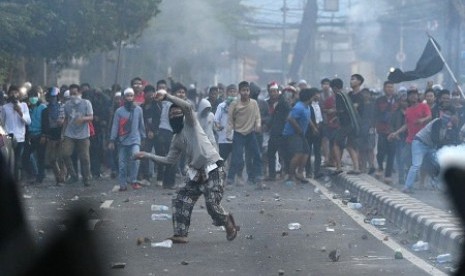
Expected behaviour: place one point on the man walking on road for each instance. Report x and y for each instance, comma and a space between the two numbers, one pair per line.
205, 172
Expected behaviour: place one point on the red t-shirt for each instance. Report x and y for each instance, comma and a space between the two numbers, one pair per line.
139, 99
331, 119
412, 115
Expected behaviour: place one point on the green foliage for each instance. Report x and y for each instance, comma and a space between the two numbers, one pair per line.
60, 29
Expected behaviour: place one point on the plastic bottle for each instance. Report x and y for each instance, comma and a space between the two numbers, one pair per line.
294, 226
159, 208
420, 246
164, 244
161, 216
378, 221
444, 258
352, 205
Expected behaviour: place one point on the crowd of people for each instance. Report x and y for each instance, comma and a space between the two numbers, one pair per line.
284, 132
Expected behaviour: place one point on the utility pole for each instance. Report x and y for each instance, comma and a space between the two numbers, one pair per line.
284, 48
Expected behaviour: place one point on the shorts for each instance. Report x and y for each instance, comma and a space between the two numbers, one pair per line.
329, 132
345, 137
296, 144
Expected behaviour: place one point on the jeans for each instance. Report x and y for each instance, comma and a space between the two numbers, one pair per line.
249, 142
314, 142
402, 159
18, 150
385, 148
128, 167
275, 144
419, 150
145, 173
165, 173
37, 157
96, 154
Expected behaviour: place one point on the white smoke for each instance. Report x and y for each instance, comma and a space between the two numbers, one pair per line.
451, 156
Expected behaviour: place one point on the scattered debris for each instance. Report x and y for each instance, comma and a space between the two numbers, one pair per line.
364, 237
386, 238
398, 255
74, 198
285, 234
115, 188
354, 206
328, 229
184, 263
280, 272
159, 208
118, 265
309, 199
249, 237
27, 196
41, 232
294, 226
331, 223
276, 196
126, 200
201, 207
140, 241
335, 255
420, 246
316, 190
323, 249
262, 211
163, 244
161, 216
444, 258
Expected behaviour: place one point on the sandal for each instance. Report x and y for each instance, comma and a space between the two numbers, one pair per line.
302, 180
354, 172
337, 172
231, 228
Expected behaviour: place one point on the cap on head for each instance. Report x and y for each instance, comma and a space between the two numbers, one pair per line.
128, 91
273, 85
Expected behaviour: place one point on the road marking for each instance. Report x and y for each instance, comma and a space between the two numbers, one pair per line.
106, 204
359, 219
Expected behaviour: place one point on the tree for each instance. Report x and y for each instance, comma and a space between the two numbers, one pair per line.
59, 30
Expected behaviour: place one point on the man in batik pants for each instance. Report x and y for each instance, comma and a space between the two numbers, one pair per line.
205, 173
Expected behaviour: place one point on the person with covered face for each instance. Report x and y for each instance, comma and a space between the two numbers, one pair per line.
78, 114
205, 172
436, 134
127, 130
206, 119
15, 117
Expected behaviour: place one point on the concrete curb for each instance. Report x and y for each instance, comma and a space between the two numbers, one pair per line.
442, 230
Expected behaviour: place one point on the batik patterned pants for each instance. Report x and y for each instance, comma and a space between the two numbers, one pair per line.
183, 203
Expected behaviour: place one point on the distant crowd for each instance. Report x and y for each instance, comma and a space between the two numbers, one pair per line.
282, 132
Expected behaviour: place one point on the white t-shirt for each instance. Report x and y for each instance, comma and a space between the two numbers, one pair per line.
221, 119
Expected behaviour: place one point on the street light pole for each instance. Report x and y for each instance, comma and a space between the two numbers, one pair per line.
283, 44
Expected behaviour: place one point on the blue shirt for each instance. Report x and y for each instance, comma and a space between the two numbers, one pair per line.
35, 128
301, 113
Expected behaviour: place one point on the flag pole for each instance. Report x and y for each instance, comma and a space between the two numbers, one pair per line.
447, 65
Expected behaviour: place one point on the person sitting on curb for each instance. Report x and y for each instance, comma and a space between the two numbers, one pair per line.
205, 173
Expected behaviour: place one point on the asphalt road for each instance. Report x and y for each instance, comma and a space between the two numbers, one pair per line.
264, 246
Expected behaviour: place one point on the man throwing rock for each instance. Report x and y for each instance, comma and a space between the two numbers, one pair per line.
205, 173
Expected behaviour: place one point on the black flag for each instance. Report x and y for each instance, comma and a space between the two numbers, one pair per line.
429, 64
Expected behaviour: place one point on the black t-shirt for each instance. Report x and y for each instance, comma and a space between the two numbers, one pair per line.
358, 100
